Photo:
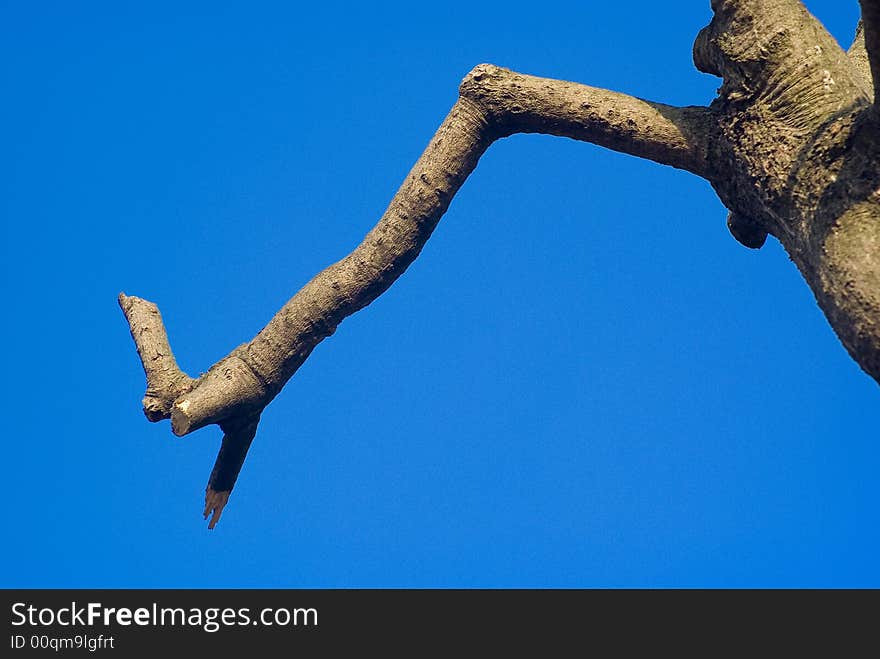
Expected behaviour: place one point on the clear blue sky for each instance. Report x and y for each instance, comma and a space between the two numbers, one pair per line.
582, 381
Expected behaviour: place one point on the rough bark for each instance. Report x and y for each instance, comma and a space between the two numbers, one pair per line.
790, 145
858, 56
798, 154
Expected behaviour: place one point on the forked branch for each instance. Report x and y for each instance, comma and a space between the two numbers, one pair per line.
790, 145
493, 103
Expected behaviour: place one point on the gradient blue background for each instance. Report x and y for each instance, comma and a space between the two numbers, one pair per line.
582, 381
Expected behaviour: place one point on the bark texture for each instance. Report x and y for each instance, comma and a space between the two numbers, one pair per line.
790, 145
798, 153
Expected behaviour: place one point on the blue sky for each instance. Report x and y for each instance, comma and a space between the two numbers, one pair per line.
582, 381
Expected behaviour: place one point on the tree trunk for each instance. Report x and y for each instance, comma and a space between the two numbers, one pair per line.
791, 145
797, 154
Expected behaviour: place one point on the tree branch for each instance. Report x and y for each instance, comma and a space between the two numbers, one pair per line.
871, 27
238, 433
493, 103
518, 103
788, 145
165, 380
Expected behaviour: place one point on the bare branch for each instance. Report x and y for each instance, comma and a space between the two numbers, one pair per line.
165, 380
788, 146
237, 437
871, 26
493, 103
519, 103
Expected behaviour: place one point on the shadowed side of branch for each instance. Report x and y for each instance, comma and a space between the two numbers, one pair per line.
871, 26
238, 433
